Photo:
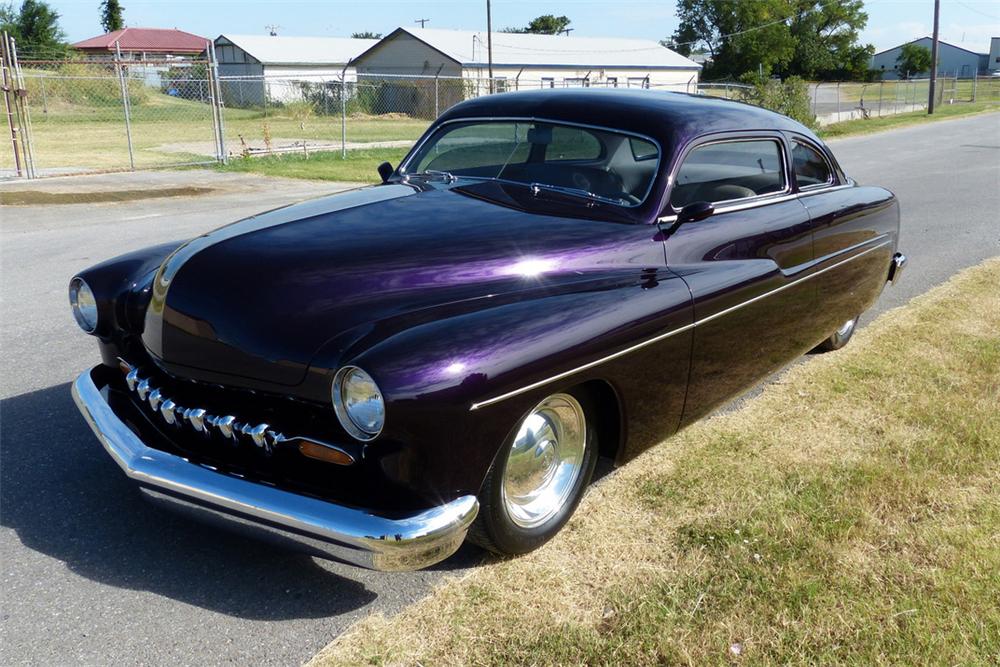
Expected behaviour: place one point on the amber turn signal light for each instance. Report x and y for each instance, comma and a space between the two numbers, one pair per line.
323, 453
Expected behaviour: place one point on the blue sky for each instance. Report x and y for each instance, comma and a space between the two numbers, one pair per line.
969, 23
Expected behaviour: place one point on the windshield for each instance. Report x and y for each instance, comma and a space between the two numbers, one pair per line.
597, 164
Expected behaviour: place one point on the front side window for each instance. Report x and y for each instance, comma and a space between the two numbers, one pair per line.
729, 170
810, 168
594, 163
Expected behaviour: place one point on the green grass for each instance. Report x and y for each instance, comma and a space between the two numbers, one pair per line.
167, 130
847, 515
359, 166
941, 112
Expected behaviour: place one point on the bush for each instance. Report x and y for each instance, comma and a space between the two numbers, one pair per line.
789, 97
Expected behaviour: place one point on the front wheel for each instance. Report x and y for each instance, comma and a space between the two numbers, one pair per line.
840, 337
537, 478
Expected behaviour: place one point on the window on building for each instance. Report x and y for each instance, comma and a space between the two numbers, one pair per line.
576, 82
729, 170
500, 84
548, 82
612, 81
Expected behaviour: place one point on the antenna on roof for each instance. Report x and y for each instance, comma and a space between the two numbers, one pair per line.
421, 22
272, 30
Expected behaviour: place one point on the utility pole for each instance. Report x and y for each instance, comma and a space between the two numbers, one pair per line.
489, 42
421, 22
934, 58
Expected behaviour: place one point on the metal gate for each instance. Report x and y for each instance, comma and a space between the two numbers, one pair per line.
112, 114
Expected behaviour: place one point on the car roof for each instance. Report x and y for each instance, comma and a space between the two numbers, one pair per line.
671, 118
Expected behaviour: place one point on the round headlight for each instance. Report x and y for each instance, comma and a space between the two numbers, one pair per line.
81, 299
358, 403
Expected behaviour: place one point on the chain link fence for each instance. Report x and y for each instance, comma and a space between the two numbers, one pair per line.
92, 116
108, 115
837, 101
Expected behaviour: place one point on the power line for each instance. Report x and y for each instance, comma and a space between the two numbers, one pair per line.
978, 11
743, 32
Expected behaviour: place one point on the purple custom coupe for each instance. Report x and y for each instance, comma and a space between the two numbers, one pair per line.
547, 278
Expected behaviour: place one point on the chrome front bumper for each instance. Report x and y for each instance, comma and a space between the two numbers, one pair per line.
323, 528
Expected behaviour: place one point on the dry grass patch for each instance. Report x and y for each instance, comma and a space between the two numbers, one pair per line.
848, 514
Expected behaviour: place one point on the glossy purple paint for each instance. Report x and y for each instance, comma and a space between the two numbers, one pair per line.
470, 302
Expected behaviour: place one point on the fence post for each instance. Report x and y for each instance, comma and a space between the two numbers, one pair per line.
125, 103
343, 112
215, 101
838, 101
880, 84
975, 81
6, 61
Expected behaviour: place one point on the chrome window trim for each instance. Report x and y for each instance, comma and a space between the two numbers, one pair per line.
494, 119
882, 239
824, 189
831, 177
786, 172
740, 204
763, 200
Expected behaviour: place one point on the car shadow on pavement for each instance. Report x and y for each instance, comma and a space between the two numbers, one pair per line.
67, 499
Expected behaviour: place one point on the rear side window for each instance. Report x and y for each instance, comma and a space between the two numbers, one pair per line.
810, 167
572, 143
729, 170
642, 149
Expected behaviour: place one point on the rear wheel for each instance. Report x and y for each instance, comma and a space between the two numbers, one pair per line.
840, 337
537, 478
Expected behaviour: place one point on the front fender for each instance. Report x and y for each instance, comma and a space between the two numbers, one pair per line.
458, 385
121, 286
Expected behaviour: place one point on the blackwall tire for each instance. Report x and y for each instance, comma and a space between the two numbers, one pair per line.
539, 476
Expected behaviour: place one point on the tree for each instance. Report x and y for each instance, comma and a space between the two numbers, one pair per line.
547, 24
111, 15
740, 36
367, 34
808, 38
36, 29
826, 35
913, 59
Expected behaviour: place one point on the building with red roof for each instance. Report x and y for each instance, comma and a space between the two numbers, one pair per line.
144, 44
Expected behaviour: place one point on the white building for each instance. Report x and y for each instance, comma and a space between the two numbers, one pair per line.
254, 69
523, 61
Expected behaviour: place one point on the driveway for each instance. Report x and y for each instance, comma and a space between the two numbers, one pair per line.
91, 574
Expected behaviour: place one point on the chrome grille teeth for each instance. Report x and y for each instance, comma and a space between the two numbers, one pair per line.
155, 398
196, 417
170, 411
224, 425
261, 435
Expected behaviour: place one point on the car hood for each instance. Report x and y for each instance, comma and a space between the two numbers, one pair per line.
259, 298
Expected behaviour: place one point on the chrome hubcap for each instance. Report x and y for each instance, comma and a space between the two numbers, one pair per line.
545, 461
845, 328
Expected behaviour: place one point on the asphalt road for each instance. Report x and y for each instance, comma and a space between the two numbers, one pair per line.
91, 574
